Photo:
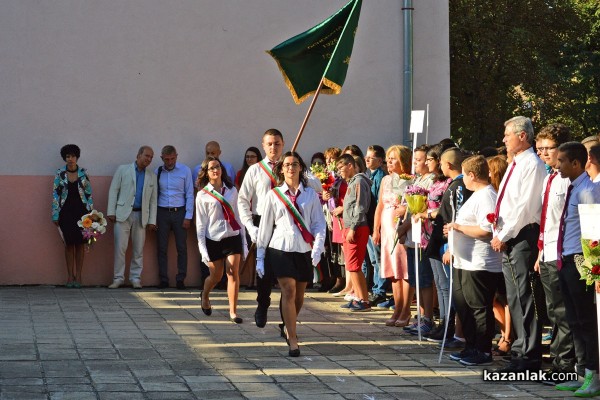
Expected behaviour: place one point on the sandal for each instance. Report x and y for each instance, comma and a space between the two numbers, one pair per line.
502, 348
391, 322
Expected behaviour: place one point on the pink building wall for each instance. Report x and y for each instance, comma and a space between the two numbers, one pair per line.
31, 251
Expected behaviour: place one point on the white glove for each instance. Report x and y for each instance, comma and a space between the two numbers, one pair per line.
253, 232
246, 251
260, 267
316, 258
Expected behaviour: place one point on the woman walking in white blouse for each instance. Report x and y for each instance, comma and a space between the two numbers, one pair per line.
291, 236
221, 238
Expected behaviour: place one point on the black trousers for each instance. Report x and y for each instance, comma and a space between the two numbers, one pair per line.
168, 221
264, 285
517, 264
473, 296
580, 314
561, 348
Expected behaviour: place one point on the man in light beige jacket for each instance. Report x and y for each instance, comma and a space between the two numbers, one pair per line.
132, 208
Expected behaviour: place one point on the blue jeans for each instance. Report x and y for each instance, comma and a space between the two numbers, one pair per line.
425, 274
374, 252
441, 277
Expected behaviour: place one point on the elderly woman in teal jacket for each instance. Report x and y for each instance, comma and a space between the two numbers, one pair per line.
71, 199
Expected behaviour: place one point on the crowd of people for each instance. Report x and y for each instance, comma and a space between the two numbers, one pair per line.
496, 224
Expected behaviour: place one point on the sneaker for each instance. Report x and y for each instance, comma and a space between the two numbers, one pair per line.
591, 385
339, 294
569, 386
347, 305
350, 296
554, 372
116, 284
412, 326
462, 354
377, 298
437, 335
453, 343
386, 303
136, 283
478, 358
425, 328
360, 306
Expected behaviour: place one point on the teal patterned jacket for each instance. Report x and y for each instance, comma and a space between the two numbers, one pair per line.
60, 190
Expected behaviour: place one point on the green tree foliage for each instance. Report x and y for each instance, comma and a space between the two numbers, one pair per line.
539, 58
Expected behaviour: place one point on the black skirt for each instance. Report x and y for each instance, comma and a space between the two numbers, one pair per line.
218, 250
290, 264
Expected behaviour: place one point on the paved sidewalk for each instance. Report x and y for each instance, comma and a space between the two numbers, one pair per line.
95, 343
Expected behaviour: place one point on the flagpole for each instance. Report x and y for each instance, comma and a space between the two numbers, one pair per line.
310, 108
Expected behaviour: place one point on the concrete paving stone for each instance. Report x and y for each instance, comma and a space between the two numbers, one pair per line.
20, 369
220, 386
138, 354
99, 379
18, 395
164, 387
98, 354
205, 379
170, 396
117, 387
68, 380
316, 389
73, 396
325, 396
59, 355
271, 395
23, 389
218, 395
161, 378
145, 373
383, 382
5, 382
305, 379
71, 388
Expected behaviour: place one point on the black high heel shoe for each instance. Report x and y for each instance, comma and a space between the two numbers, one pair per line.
282, 331
206, 311
295, 352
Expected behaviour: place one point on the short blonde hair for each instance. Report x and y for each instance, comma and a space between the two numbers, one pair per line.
478, 166
404, 155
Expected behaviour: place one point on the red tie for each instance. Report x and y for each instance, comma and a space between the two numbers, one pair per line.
544, 209
497, 212
561, 230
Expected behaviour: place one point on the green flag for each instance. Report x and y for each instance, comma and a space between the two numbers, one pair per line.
322, 52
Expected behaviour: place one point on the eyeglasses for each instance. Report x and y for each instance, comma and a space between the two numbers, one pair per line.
543, 149
341, 166
429, 159
293, 165
251, 156
215, 168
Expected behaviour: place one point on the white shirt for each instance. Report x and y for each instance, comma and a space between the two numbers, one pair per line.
210, 221
584, 192
278, 230
252, 194
556, 202
521, 204
476, 254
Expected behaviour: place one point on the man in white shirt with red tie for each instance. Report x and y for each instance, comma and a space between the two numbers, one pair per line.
259, 181
579, 298
516, 232
553, 196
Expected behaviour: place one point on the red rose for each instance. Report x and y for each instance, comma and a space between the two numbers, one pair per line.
593, 243
491, 217
596, 270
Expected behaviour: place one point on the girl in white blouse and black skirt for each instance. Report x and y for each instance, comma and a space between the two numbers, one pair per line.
221, 238
291, 236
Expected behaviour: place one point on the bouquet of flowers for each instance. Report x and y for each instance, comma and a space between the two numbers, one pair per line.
416, 199
92, 226
588, 265
324, 174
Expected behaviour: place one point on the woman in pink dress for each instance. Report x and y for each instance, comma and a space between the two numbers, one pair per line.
389, 211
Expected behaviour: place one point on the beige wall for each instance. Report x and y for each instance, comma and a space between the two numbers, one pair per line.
110, 76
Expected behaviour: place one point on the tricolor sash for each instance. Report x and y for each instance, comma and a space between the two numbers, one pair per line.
265, 167
296, 216
227, 209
